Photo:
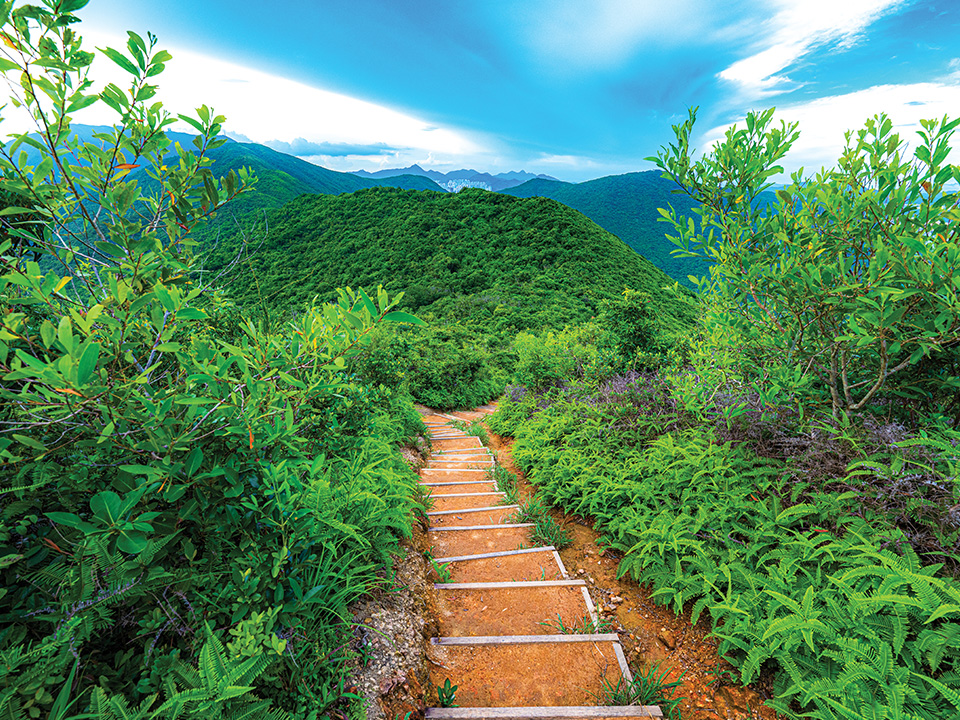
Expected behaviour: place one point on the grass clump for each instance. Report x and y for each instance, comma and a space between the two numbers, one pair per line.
650, 688
586, 625
546, 531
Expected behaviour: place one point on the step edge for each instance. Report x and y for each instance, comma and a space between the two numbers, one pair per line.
450, 495
522, 639
544, 712
509, 584
457, 528
502, 553
471, 510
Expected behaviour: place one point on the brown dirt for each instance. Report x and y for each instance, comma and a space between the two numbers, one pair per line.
483, 517
466, 500
650, 633
450, 474
460, 443
509, 675
531, 566
473, 542
507, 611
468, 486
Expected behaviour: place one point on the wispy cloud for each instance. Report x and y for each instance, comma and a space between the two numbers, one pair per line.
824, 120
302, 147
797, 28
573, 35
264, 107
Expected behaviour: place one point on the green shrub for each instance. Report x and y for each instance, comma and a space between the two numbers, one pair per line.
188, 507
807, 582
846, 280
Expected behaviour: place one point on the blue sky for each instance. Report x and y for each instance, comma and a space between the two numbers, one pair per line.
573, 88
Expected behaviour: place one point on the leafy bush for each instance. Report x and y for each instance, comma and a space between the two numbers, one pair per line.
848, 279
632, 328
186, 512
797, 579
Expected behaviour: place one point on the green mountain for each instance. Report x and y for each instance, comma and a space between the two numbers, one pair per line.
283, 177
484, 258
626, 205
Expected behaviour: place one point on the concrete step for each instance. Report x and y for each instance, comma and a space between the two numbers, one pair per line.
465, 540
524, 565
569, 712
461, 501
470, 609
526, 670
486, 515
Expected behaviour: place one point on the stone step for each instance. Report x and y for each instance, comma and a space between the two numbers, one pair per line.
462, 501
532, 670
488, 538
568, 712
439, 489
473, 609
466, 442
471, 516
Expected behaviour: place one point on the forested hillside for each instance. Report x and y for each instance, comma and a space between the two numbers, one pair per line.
507, 263
627, 206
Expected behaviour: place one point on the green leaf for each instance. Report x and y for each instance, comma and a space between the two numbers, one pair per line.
193, 462
65, 334
47, 333
398, 316
62, 518
71, 6
191, 314
120, 59
106, 506
88, 362
133, 543
29, 442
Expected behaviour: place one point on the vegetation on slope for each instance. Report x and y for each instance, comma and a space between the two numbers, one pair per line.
791, 467
505, 263
189, 501
479, 266
627, 206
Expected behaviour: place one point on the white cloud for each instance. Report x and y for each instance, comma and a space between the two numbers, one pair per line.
823, 121
264, 107
798, 27
571, 34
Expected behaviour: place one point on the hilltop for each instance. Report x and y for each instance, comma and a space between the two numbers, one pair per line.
507, 263
626, 205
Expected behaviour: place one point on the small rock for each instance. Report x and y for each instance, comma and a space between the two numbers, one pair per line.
667, 638
616, 599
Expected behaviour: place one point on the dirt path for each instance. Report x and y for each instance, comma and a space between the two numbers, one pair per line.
501, 606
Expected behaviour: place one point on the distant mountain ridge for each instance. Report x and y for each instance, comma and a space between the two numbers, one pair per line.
626, 205
458, 179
